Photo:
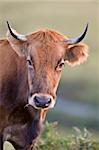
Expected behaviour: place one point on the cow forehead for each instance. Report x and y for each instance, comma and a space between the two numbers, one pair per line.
47, 52
46, 46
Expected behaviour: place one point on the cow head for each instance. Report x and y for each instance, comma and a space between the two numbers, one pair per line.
46, 52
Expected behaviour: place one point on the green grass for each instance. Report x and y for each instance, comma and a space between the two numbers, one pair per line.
52, 140
78, 140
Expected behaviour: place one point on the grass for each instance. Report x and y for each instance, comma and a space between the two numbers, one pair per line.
52, 140
78, 140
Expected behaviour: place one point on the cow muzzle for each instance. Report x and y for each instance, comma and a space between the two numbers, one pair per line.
41, 101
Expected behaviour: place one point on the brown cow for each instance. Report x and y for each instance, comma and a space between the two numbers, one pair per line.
30, 70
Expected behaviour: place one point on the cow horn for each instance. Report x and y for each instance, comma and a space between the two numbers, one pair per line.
79, 38
15, 34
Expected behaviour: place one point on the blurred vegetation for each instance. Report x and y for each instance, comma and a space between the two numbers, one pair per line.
79, 140
52, 140
66, 120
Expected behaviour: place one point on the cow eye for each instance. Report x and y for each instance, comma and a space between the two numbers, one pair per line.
60, 65
29, 62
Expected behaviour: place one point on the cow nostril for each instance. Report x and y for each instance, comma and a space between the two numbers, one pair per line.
49, 101
37, 99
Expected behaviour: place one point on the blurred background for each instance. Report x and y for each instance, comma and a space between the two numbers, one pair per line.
78, 92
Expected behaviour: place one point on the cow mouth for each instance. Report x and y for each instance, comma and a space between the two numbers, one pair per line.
36, 107
39, 107
36, 114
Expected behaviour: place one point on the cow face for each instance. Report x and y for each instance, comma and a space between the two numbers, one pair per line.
45, 64
46, 52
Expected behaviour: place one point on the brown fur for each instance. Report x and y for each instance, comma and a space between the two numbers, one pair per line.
19, 124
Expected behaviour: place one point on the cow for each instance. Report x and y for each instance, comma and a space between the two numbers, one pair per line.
30, 70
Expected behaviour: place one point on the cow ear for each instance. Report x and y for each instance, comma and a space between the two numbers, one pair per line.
18, 46
76, 54
17, 41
